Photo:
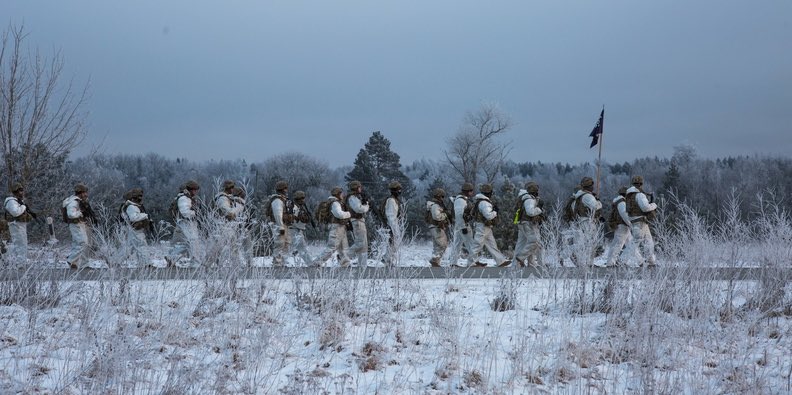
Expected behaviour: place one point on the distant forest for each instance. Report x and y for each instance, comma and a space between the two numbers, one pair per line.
705, 184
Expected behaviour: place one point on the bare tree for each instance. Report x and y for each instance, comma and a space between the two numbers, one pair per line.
39, 117
474, 150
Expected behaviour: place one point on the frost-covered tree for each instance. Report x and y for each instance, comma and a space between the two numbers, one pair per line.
475, 152
41, 116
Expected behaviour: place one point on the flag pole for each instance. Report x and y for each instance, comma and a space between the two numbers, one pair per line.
599, 158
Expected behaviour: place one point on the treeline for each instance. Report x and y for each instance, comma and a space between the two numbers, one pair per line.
702, 183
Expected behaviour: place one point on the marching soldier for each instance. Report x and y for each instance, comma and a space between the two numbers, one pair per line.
184, 211
528, 250
393, 217
336, 238
280, 209
641, 210
226, 202
18, 214
438, 220
358, 205
134, 215
619, 221
79, 215
585, 212
485, 216
302, 217
463, 233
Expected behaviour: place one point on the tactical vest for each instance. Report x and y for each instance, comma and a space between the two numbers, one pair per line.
479, 217
521, 214
288, 209
174, 208
333, 218
137, 225
634, 210
24, 217
398, 208
581, 210
355, 214
615, 219
430, 219
303, 215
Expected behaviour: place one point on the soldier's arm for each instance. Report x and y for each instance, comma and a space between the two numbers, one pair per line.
643, 203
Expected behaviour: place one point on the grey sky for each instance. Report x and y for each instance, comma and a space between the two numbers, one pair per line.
250, 79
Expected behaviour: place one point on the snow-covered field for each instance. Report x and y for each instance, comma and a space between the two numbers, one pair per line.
672, 333
344, 335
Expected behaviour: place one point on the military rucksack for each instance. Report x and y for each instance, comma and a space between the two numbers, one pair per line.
634, 210
469, 212
174, 207
568, 214
615, 219
323, 213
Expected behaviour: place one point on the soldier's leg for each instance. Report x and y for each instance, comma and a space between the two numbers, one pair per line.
360, 247
521, 248
300, 245
620, 237
439, 245
79, 250
643, 237
478, 244
534, 256
19, 241
492, 247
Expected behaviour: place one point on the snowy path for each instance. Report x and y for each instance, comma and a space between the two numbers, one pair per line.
221, 273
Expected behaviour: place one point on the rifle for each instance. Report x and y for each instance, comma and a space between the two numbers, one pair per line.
87, 211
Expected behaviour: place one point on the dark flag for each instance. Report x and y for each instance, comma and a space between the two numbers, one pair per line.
597, 130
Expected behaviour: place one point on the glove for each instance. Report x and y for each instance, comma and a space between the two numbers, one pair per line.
464, 231
281, 232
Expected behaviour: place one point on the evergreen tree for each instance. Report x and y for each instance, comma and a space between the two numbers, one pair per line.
375, 166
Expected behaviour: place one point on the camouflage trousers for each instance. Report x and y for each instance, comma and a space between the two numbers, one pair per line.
19, 241
299, 244
484, 238
138, 247
186, 242
80, 247
643, 238
529, 243
439, 242
281, 244
360, 246
336, 242
462, 237
621, 236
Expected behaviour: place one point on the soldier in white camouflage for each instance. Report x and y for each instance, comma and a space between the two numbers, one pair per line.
18, 214
280, 213
484, 218
463, 232
302, 218
358, 206
619, 221
530, 216
641, 211
337, 228
438, 220
137, 221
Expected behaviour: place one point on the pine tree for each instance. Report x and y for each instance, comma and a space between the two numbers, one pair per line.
375, 166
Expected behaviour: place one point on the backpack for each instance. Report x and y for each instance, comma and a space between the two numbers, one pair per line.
174, 207
469, 213
323, 213
615, 219
569, 214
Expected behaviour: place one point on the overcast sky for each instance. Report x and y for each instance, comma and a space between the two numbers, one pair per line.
250, 79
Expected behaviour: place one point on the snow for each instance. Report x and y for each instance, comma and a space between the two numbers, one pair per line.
346, 335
